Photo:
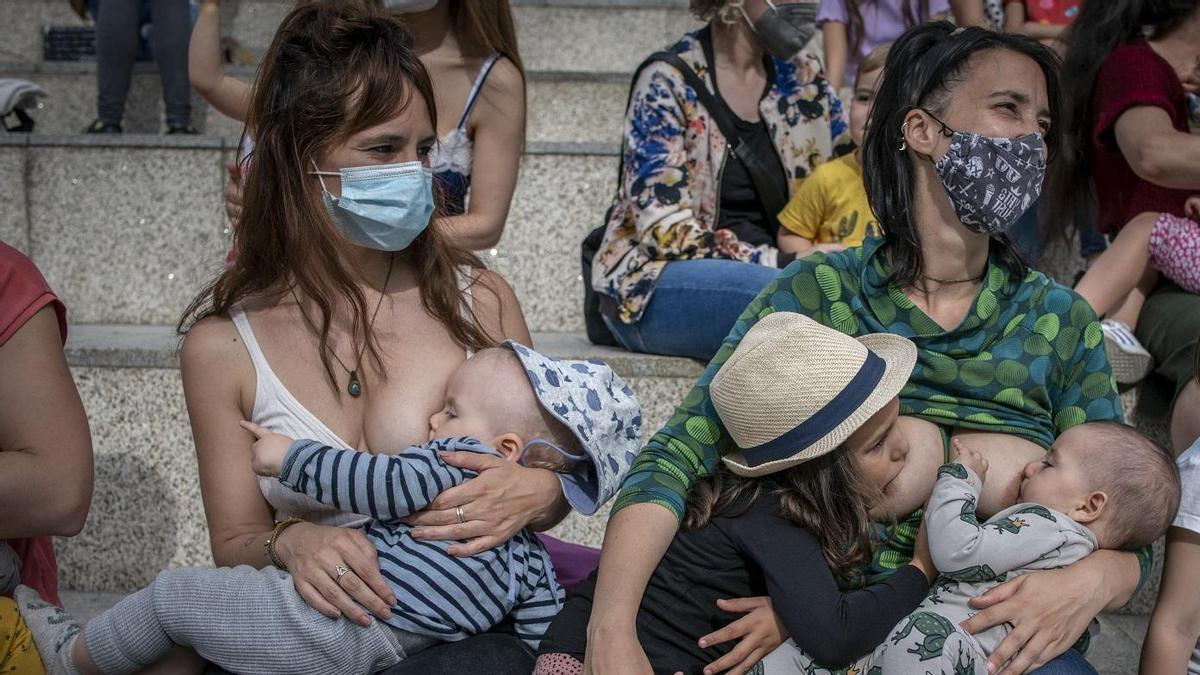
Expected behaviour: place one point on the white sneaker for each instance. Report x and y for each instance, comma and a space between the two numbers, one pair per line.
1130, 360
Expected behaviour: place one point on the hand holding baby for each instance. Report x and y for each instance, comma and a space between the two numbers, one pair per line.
269, 449
971, 459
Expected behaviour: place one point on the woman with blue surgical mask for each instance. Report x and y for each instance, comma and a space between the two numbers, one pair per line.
469, 48
341, 319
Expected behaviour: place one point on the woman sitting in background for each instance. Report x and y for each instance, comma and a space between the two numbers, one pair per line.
690, 237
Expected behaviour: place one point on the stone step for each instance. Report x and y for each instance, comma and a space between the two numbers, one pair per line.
591, 35
585, 107
128, 228
146, 511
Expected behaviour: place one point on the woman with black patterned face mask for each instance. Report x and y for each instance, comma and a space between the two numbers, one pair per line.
717, 131
955, 151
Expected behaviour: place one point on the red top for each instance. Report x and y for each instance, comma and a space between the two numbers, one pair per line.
1057, 12
1132, 76
23, 292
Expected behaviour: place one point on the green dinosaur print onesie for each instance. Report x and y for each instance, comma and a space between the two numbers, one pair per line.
973, 557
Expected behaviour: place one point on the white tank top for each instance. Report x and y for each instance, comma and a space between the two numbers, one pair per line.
278, 410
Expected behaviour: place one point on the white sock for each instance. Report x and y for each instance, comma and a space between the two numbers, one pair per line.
54, 631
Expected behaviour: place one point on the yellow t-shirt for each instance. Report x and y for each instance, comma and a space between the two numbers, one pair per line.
830, 206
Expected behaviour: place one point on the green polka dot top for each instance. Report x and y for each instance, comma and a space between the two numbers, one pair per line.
1027, 360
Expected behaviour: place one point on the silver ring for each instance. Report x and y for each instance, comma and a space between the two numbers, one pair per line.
462, 518
340, 571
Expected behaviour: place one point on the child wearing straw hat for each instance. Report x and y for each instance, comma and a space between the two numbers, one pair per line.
788, 515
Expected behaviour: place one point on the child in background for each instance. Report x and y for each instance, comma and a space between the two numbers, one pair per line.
1042, 20
852, 29
788, 512
1151, 243
828, 210
1172, 642
509, 402
1102, 485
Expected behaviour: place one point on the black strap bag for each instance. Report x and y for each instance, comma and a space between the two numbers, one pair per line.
758, 167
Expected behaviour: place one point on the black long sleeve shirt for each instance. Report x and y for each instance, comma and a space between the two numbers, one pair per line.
748, 552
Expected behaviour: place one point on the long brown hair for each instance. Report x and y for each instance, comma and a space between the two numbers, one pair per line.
856, 28
825, 496
486, 27
333, 69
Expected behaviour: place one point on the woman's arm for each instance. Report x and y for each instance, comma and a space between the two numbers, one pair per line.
831, 626
837, 49
45, 445
1050, 610
1175, 624
1156, 151
227, 94
634, 542
218, 385
216, 370
499, 140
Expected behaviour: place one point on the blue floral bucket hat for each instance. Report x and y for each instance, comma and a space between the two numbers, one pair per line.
599, 409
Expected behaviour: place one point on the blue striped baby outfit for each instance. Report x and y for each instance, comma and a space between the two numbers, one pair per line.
439, 595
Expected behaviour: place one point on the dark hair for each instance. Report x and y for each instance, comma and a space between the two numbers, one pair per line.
1099, 29
923, 68
825, 496
856, 29
1142, 482
333, 69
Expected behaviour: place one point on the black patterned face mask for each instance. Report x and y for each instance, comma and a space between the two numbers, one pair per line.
991, 181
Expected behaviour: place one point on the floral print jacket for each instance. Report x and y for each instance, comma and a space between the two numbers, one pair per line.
667, 197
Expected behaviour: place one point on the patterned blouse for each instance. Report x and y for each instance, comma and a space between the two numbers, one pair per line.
1027, 360
667, 200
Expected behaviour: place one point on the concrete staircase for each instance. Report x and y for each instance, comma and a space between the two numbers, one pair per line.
127, 228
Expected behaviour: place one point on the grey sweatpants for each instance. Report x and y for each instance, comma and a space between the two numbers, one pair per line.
244, 620
117, 30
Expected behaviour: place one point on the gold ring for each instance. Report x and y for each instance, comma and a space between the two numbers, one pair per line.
462, 518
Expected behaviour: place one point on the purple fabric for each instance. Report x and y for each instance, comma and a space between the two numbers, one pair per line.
883, 21
572, 562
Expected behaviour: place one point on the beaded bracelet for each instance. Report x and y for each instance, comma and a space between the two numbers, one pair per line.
270, 545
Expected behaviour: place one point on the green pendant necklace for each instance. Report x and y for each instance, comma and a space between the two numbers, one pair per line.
353, 385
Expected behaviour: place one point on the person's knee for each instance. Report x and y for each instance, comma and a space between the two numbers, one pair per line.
1142, 222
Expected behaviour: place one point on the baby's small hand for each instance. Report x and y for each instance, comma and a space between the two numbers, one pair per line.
269, 449
1192, 207
970, 459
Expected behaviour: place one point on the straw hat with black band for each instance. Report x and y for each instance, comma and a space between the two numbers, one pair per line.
794, 389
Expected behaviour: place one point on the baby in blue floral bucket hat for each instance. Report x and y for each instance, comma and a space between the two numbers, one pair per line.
576, 418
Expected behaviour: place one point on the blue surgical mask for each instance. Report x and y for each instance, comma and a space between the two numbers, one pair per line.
382, 207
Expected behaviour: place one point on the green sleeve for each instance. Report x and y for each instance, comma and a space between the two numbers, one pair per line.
1086, 391
691, 444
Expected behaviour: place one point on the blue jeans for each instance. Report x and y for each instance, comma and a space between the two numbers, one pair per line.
492, 652
1070, 663
694, 306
